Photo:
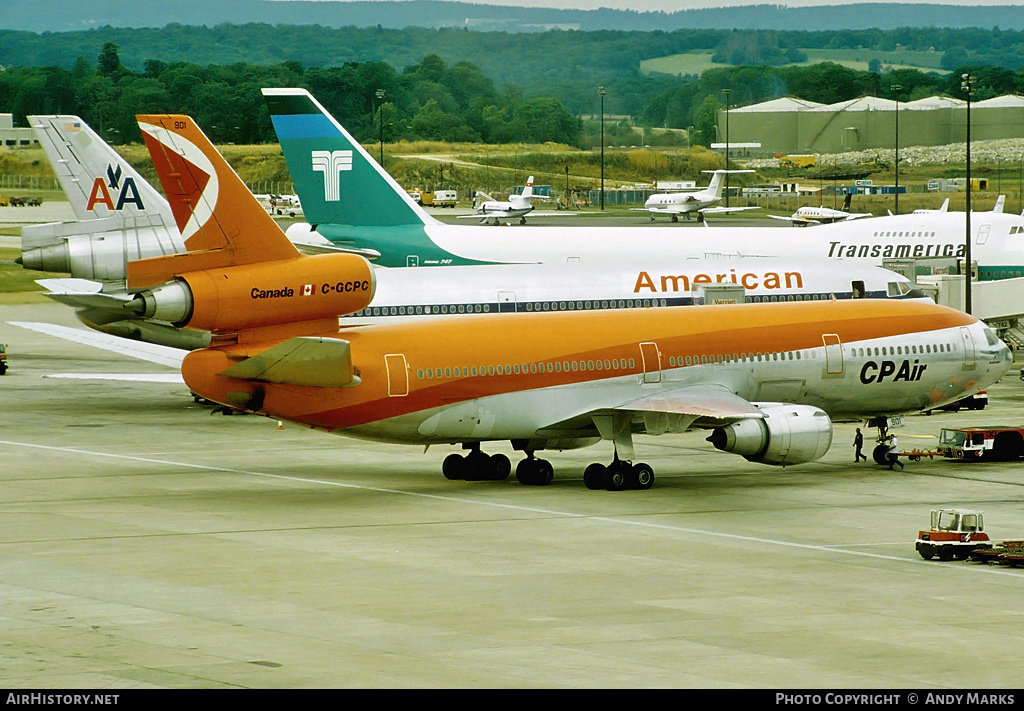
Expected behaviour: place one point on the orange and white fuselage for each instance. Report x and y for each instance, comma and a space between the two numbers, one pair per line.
527, 376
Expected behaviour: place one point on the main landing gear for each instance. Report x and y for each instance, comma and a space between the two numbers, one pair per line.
534, 472
477, 466
619, 475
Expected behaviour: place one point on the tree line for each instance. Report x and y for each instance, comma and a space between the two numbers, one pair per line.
433, 99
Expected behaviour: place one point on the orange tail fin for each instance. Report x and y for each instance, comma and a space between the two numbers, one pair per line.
219, 219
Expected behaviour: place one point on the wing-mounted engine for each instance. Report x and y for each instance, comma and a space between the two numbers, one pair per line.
788, 434
237, 298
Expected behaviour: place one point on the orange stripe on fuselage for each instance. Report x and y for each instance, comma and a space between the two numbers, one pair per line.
524, 339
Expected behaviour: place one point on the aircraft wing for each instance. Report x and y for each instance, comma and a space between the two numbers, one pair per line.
723, 210
797, 220
492, 213
674, 210
700, 405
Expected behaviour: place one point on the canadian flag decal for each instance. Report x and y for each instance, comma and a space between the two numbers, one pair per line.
307, 290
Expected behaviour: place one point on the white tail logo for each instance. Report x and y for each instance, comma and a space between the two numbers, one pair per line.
331, 163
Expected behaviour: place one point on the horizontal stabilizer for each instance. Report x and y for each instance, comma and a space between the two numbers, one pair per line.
150, 352
306, 360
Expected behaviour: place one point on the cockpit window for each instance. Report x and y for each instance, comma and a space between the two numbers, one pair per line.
991, 337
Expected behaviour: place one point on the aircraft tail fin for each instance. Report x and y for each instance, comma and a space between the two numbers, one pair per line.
1000, 202
98, 182
220, 220
528, 190
847, 201
336, 179
945, 205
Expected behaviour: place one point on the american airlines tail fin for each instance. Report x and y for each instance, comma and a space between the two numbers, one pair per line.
220, 220
98, 182
336, 180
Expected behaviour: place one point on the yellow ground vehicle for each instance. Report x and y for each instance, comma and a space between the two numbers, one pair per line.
797, 161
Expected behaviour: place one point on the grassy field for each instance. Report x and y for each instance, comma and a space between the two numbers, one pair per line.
696, 62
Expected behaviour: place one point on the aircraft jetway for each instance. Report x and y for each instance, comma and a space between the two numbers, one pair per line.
1000, 303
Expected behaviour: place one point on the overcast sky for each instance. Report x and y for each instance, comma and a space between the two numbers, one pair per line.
673, 5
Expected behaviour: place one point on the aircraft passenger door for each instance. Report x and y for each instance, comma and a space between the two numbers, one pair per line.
507, 302
983, 233
650, 357
833, 354
398, 374
968, 339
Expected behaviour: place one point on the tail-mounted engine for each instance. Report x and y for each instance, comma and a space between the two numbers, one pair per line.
788, 434
250, 296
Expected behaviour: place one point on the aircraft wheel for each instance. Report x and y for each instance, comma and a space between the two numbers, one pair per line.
880, 454
675, 218
526, 471
593, 476
501, 467
452, 467
545, 472
534, 472
641, 476
615, 478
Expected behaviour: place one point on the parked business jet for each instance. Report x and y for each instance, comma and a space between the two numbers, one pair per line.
688, 202
517, 206
119, 216
373, 210
811, 215
765, 378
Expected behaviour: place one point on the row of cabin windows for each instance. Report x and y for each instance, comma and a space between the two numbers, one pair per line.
903, 234
796, 355
564, 305
526, 368
1002, 274
673, 361
904, 350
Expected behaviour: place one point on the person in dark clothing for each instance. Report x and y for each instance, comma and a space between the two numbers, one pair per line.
858, 442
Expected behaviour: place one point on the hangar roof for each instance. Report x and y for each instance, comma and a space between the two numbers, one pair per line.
786, 103
1008, 101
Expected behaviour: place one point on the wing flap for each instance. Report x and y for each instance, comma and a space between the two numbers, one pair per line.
700, 405
306, 360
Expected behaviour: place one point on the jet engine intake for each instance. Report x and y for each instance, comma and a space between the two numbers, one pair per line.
788, 434
255, 295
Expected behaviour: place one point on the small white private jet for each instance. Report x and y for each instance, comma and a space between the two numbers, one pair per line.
516, 206
811, 215
699, 201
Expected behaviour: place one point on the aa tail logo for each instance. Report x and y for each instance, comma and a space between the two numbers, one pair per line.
102, 192
331, 164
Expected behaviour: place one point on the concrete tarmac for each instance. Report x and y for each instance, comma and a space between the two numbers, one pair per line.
149, 544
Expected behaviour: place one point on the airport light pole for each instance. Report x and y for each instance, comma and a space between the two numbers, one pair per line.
727, 92
380, 111
896, 89
601, 92
967, 85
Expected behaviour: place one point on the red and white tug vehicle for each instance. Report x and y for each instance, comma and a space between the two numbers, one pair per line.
954, 533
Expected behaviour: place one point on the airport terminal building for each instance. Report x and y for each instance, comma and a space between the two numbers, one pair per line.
795, 126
